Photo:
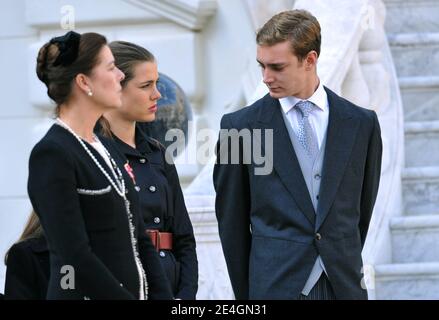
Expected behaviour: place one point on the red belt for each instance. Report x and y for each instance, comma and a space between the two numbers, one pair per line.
160, 240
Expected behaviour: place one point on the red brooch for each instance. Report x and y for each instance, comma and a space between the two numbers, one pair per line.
130, 172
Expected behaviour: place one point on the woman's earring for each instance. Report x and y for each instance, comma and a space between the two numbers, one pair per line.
90, 94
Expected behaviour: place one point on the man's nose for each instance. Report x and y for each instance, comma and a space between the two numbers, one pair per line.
267, 76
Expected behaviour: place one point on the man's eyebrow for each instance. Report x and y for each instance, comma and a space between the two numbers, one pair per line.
273, 65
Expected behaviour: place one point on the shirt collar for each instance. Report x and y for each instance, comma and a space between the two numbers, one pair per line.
142, 141
319, 98
142, 145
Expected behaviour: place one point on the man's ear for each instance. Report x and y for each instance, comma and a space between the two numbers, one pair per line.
311, 60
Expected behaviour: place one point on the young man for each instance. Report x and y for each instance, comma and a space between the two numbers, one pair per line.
298, 231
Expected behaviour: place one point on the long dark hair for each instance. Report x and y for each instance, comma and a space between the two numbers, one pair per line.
32, 229
127, 56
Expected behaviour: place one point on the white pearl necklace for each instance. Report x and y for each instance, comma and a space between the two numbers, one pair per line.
119, 185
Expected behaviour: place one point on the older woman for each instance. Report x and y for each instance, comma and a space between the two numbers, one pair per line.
84, 197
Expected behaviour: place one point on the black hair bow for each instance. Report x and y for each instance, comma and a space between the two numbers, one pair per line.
68, 46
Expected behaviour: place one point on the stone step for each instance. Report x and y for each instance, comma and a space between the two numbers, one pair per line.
412, 16
420, 97
420, 189
415, 239
407, 281
415, 54
412, 39
421, 144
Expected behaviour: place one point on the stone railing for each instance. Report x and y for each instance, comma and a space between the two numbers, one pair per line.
356, 63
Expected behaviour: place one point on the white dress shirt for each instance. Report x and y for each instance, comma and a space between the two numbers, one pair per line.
318, 117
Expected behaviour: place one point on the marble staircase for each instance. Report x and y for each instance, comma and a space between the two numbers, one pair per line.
413, 32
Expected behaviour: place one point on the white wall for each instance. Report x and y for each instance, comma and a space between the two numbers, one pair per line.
209, 65
17, 119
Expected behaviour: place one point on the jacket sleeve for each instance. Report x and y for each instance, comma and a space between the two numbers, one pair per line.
52, 191
184, 247
20, 281
232, 206
371, 178
158, 285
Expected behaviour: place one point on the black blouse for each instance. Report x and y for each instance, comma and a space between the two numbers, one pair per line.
163, 208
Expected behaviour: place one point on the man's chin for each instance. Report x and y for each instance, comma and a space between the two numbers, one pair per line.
277, 95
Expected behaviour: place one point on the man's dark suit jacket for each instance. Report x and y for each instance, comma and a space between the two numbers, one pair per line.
270, 233
89, 232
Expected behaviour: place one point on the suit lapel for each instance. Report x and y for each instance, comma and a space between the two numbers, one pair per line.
341, 135
284, 157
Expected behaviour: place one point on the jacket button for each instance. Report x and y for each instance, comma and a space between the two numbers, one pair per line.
152, 188
157, 220
162, 254
318, 236
142, 160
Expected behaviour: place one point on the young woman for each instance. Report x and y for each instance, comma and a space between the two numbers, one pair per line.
78, 186
27, 261
162, 204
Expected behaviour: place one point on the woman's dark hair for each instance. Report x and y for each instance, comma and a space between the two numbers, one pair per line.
62, 58
127, 56
33, 229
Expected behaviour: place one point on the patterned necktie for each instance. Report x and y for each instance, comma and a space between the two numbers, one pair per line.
306, 134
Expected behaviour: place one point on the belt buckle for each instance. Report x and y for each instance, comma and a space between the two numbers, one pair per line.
155, 238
